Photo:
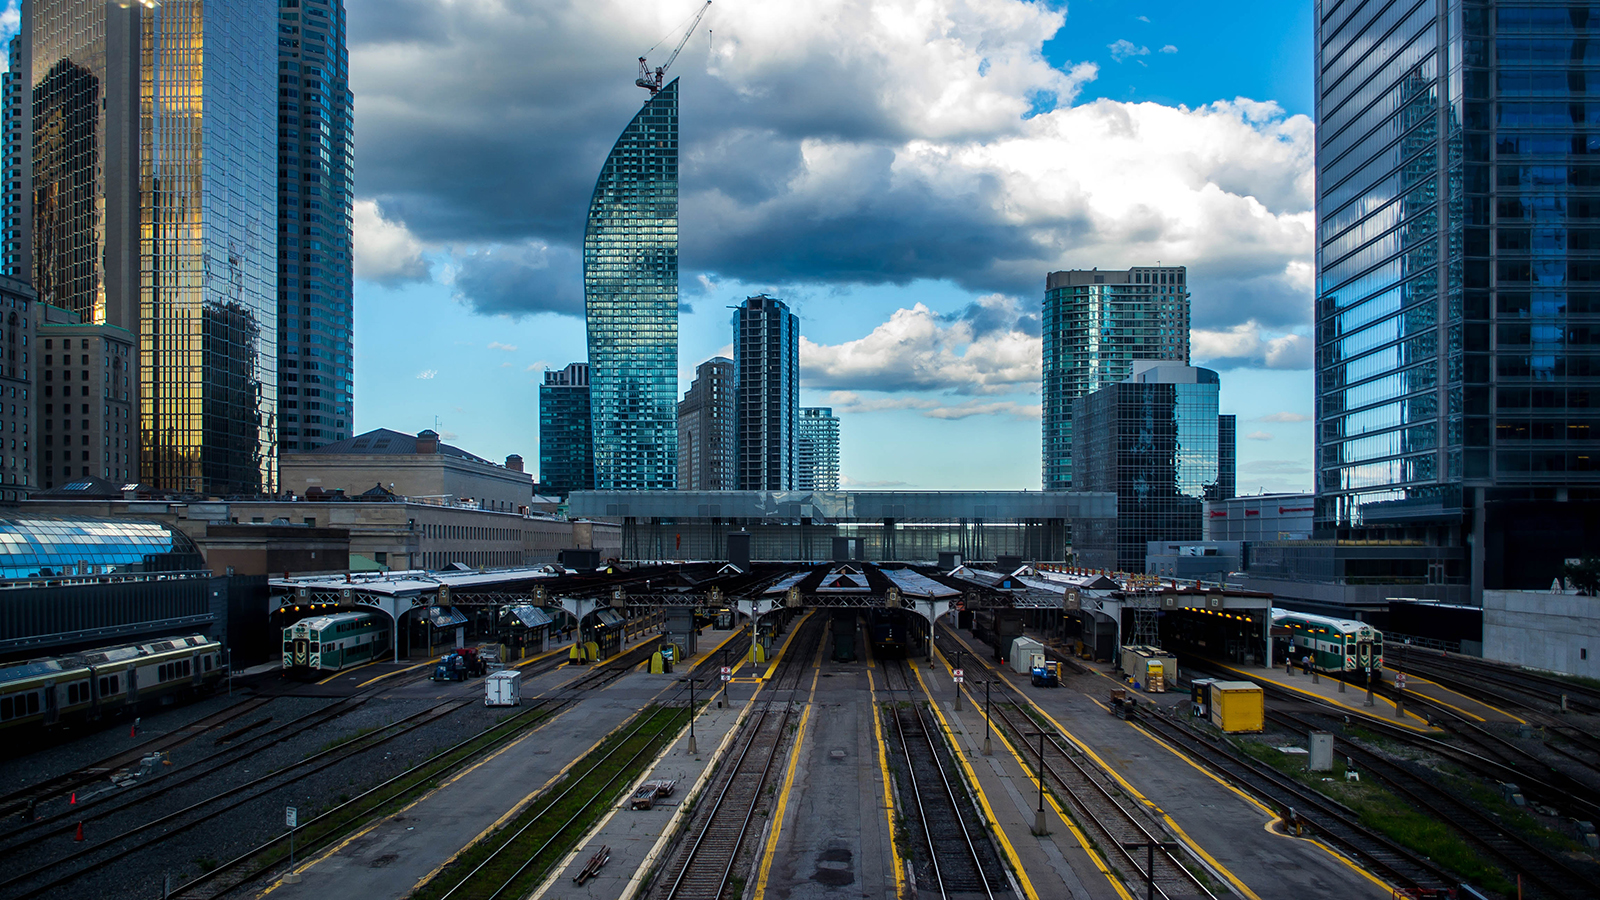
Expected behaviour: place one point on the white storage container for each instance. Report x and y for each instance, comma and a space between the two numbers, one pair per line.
1023, 651
503, 688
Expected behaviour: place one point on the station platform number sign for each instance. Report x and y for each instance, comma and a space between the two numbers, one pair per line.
727, 673
960, 675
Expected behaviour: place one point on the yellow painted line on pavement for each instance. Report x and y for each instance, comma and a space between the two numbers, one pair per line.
888, 792
1083, 840
427, 662
1182, 835
371, 662
1513, 716
983, 799
308, 864
1364, 712
788, 783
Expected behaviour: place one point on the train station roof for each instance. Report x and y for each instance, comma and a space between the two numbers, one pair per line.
44, 546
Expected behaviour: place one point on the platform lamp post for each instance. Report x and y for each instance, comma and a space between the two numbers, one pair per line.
988, 723
958, 684
1400, 683
1150, 862
1039, 827
691, 679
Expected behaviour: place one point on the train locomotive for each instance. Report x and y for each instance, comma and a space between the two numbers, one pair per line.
1341, 647
94, 682
887, 631
333, 643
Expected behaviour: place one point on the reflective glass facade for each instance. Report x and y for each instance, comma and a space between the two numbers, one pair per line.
46, 546
1096, 323
817, 450
566, 454
316, 172
1153, 441
766, 364
152, 208
630, 281
1458, 275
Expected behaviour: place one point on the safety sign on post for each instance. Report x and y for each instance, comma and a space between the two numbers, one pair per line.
727, 673
960, 675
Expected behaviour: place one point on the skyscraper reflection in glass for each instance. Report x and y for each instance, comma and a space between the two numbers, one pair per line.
630, 281
151, 205
1458, 280
1153, 440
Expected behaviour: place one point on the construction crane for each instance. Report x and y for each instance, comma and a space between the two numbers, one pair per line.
652, 80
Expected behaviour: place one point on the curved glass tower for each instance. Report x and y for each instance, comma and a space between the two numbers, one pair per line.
630, 286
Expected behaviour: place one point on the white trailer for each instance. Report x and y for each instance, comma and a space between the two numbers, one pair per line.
503, 688
1025, 654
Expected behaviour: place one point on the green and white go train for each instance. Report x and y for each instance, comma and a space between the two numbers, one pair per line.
336, 642
1336, 646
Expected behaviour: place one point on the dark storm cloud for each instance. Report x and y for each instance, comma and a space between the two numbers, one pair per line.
521, 280
484, 123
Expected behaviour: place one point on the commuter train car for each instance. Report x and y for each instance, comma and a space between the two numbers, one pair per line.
92, 683
332, 643
1336, 646
887, 631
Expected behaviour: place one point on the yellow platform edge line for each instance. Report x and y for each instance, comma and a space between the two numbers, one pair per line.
983, 799
888, 791
788, 784
1182, 835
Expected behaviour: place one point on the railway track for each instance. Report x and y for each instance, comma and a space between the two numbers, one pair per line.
1096, 801
706, 863
1489, 681
100, 807
62, 871
1547, 873
536, 852
1330, 820
26, 799
961, 855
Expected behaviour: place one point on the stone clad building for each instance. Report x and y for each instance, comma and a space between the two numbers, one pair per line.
420, 468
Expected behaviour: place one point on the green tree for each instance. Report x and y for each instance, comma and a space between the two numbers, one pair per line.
1583, 574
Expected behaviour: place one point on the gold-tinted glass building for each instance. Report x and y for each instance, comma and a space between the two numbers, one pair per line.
150, 205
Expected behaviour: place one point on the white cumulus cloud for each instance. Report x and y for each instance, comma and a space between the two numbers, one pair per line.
428, 374
920, 350
1245, 346
1169, 49
1285, 417
385, 251
1259, 436
1125, 48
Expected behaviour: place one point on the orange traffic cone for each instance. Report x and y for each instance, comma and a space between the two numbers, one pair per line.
79, 835
74, 800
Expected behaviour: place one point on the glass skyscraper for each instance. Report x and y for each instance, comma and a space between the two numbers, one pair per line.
1153, 440
566, 456
316, 170
149, 205
766, 365
1458, 282
817, 450
1096, 323
630, 285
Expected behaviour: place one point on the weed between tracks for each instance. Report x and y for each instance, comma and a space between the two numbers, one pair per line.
621, 758
1384, 812
324, 826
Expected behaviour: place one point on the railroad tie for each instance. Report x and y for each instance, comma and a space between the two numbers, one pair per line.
598, 860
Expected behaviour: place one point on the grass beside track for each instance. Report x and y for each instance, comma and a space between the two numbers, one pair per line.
332, 823
1388, 814
559, 818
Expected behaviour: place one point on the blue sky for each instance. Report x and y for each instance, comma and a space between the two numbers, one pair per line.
904, 172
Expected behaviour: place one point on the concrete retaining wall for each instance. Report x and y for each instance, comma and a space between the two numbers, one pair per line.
1559, 632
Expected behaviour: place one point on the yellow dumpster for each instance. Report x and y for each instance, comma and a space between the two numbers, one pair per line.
1237, 706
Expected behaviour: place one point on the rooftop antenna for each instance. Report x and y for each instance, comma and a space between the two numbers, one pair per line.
652, 80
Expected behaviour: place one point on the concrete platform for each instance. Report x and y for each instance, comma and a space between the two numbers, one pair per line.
639, 840
1472, 708
1227, 827
1353, 700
